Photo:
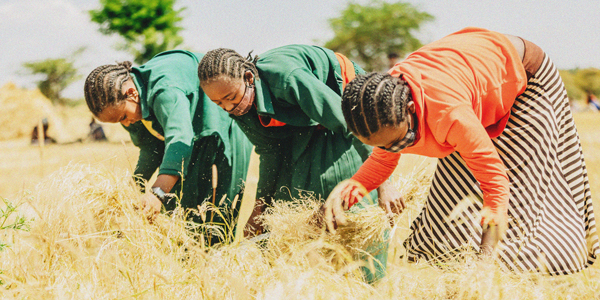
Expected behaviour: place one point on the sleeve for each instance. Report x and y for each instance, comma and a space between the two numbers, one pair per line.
172, 109
377, 168
467, 136
151, 150
315, 98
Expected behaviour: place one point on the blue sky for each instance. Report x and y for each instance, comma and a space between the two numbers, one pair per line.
569, 31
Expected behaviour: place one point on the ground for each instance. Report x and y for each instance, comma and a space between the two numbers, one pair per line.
88, 243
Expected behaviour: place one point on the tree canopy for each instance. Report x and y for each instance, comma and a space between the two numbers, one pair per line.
588, 81
581, 83
148, 26
59, 73
368, 33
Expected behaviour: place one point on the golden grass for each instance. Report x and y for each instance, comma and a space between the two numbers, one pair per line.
22, 166
87, 241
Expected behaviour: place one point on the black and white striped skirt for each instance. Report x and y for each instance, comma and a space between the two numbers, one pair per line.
551, 221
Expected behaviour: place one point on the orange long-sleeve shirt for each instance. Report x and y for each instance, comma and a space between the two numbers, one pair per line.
463, 87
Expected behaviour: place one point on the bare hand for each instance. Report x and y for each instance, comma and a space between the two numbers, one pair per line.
390, 199
343, 196
151, 205
494, 227
254, 227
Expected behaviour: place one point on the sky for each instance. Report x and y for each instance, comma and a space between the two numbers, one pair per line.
32, 30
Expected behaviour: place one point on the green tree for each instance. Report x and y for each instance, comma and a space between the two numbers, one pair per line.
59, 73
367, 33
568, 77
148, 26
580, 83
588, 81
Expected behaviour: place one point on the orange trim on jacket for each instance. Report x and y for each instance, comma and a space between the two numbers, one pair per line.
463, 87
348, 71
269, 122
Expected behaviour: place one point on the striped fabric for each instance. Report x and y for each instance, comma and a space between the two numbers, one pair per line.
551, 221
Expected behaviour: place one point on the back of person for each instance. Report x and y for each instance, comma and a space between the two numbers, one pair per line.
473, 67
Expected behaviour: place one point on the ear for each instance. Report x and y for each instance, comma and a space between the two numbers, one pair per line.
249, 77
132, 94
410, 107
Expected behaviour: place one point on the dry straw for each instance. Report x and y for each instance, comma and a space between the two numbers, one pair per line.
88, 241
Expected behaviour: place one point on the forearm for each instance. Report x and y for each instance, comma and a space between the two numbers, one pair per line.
376, 169
165, 182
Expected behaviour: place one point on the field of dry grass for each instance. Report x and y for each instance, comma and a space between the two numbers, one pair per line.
87, 241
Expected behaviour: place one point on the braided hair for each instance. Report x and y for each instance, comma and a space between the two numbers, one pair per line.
225, 63
103, 86
373, 101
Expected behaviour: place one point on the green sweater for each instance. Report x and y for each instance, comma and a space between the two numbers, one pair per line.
189, 132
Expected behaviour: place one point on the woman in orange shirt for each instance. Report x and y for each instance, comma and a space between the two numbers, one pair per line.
494, 110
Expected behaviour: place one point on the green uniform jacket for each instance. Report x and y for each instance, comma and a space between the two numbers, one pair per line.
195, 132
301, 86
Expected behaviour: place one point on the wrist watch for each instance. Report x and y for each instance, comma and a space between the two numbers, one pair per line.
159, 193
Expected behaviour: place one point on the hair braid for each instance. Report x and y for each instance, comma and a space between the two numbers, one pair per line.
103, 86
373, 101
225, 62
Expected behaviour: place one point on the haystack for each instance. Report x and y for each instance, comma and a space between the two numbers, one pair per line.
22, 110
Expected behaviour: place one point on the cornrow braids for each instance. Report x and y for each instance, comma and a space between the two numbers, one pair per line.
225, 62
373, 101
103, 86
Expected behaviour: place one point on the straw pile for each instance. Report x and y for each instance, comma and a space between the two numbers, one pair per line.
88, 241
22, 110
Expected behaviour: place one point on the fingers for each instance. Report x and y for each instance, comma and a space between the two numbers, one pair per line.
388, 207
348, 195
489, 239
150, 206
399, 205
392, 207
328, 217
355, 196
339, 215
494, 225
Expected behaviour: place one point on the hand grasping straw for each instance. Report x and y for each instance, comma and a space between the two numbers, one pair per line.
341, 199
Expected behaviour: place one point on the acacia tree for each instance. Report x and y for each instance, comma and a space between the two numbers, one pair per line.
368, 33
59, 73
148, 26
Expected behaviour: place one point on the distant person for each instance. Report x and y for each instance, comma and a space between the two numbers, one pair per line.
35, 137
392, 59
96, 131
493, 109
593, 103
177, 128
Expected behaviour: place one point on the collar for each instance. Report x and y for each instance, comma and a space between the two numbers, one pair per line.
141, 88
263, 100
